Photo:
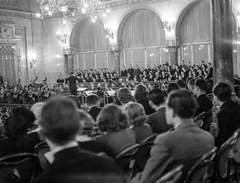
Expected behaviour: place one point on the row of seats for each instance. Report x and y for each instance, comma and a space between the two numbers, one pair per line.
215, 166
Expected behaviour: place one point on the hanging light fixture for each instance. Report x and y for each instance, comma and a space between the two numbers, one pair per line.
72, 7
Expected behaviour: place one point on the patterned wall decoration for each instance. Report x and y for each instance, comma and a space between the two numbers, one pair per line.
9, 4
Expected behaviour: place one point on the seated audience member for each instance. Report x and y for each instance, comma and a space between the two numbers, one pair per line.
185, 145
112, 122
157, 120
190, 85
182, 84
229, 112
59, 127
137, 120
93, 104
85, 139
205, 104
124, 96
141, 98
172, 86
76, 100
16, 129
37, 111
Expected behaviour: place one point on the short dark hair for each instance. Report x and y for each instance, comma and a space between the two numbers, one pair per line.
157, 96
202, 84
191, 82
124, 95
222, 91
172, 86
76, 100
92, 99
60, 120
183, 103
140, 93
112, 119
181, 83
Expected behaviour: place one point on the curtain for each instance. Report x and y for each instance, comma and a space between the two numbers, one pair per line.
80, 61
165, 55
139, 57
187, 53
101, 60
128, 57
143, 29
200, 52
91, 37
89, 61
196, 24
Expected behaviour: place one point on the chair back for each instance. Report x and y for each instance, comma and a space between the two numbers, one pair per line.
207, 120
225, 156
172, 176
126, 160
199, 119
203, 170
19, 168
40, 150
143, 152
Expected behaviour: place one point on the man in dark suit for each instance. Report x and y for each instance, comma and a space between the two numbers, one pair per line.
93, 104
72, 79
200, 88
185, 145
59, 126
229, 112
157, 120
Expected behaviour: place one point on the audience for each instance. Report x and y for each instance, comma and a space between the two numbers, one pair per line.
229, 112
137, 120
200, 88
157, 120
16, 129
93, 104
172, 86
59, 127
113, 123
140, 97
185, 145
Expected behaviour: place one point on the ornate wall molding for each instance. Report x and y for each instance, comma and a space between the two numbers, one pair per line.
18, 14
9, 4
129, 2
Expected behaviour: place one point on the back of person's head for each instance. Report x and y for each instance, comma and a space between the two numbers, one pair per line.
140, 93
135, 113
222, 91
86, 123
26, 113
76, 100
183, 103
202, 84
157, 96
60, 120
17, 125
172, 86
112, 119
182, 84
92, 100
124, 95
37, 111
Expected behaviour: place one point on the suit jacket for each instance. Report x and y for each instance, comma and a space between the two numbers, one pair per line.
228, 121
74, 165
72, 84
118, 141
94, 111
142, 132
158, 121
205, 104
147, 107
184, 146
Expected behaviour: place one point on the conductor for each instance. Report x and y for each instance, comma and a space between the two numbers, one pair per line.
72, 79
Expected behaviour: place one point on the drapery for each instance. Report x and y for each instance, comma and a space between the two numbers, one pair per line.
139, 57
153, 56
143, 29
89, 61
91, 37
196, 24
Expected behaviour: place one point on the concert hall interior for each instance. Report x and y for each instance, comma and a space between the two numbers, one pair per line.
163, 75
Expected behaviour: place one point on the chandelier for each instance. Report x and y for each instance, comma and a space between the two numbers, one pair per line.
72, 7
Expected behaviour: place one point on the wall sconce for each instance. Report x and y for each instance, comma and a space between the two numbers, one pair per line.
166, 26
61, 38
109, 34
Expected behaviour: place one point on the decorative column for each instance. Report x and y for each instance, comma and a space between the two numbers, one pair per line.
69, 60
222, 41
172, 48
115, 55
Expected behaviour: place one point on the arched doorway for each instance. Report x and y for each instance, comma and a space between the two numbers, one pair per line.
194, 31
142, 39
91, 45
